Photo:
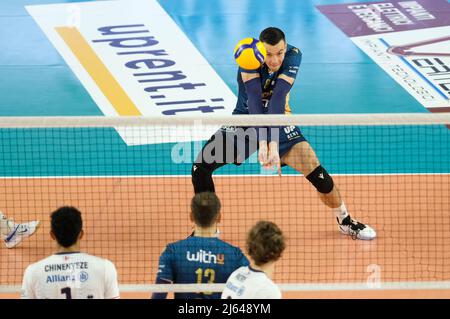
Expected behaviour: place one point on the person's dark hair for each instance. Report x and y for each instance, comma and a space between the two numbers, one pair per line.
66, 224
265, 242
272, 36
205, 208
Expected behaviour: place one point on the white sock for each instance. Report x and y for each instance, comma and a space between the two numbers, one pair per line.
5, 225
340, 212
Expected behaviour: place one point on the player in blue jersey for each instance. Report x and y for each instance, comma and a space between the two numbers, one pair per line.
266, 91
202, 257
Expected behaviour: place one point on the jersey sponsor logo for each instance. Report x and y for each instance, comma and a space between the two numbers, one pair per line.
206, 257
291, 132
241, 277
83, 276
71, 277
237, 289
61, 278
135, 64
409, 40
232, 286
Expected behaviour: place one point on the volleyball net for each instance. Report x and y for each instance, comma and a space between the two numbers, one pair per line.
131, 179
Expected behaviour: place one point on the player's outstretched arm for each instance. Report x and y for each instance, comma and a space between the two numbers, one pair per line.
277, 102
252, 83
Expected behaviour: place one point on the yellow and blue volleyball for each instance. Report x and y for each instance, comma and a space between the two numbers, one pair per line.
250, 53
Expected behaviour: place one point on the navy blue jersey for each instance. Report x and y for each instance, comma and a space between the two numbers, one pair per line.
289, 67
199, 260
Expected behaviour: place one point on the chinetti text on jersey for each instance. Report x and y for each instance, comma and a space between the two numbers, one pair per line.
205, 257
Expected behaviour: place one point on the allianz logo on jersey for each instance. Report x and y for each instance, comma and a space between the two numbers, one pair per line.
134, 60
205, 257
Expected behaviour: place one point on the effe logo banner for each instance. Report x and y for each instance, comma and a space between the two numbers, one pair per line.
410, 40
134, 60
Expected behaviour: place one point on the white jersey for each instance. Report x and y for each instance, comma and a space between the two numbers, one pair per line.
70, 276
248, 283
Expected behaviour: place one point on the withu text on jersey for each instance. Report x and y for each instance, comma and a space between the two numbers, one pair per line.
205, 257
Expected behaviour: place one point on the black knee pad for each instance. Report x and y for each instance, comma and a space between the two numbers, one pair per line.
321, 180
202, 177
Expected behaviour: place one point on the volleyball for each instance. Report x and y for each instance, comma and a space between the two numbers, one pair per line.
250, 53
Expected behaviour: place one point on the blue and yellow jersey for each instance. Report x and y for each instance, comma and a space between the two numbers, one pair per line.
289, 67
199, 260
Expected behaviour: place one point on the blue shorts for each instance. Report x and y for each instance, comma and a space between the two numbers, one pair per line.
233, 144
289, 136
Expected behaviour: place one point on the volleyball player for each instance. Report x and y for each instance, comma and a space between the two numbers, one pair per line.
69, 273
266, 91
265, 244
202, 257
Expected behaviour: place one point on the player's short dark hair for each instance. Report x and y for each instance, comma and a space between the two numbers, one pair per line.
265, 242
205, 208
66, 225
272, 36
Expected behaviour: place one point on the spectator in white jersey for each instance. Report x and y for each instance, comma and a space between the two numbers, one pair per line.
265, 245
13, 233
69, 273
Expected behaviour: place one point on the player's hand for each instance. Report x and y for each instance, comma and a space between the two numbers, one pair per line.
273, 158
263, 152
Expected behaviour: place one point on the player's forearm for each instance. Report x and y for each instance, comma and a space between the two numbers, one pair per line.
254, 93
277, 102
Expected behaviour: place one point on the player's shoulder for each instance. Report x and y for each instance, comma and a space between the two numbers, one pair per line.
241, 270
39, 266
193, 241
230, 247
41, 263
33, 267
266, 284
292, 51
293, 56
179, 243
177, 246
269, 290
98, 259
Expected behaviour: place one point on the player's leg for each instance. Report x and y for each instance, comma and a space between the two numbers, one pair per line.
203, 167
228, 145
302, 158
12, 234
